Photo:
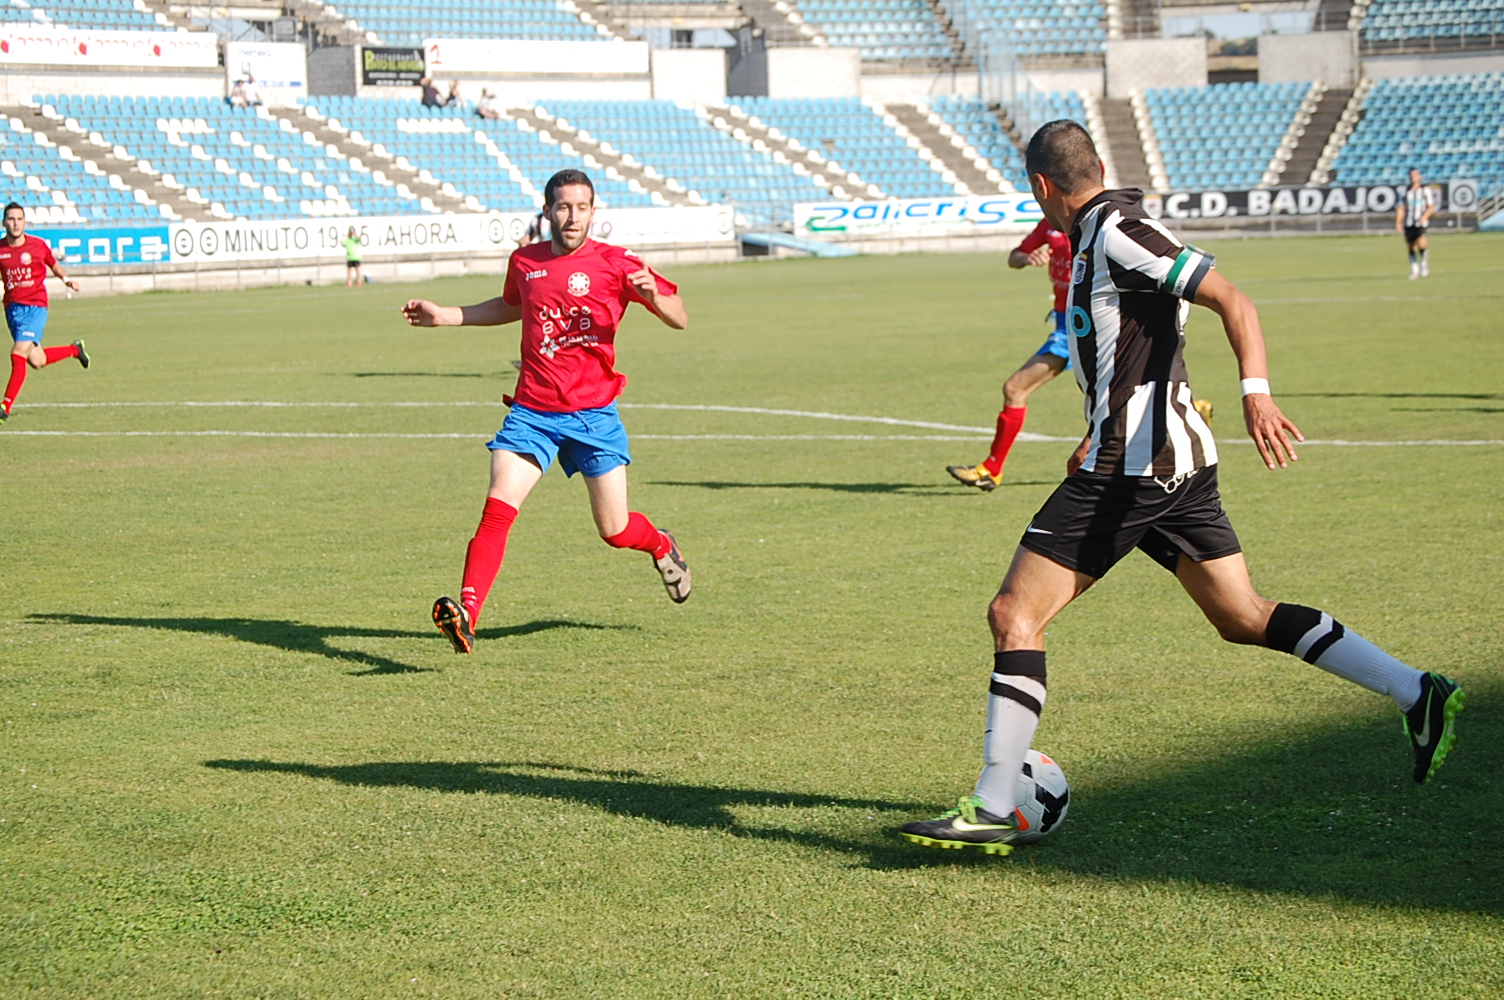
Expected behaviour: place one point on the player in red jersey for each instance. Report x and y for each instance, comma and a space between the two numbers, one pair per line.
1045, 246
24, 263
570, 293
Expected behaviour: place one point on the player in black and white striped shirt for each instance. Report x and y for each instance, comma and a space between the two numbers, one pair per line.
1412, 216
1145, 477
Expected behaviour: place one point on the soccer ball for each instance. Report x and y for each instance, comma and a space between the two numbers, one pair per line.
1043, 798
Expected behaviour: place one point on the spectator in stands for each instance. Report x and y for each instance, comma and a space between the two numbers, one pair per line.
1411, 217
431, 98
455, 98
488, 107
252, 94
237, 95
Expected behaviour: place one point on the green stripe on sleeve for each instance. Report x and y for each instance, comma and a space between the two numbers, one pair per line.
1185, 257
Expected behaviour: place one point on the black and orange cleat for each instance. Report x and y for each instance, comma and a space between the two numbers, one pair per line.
454, 621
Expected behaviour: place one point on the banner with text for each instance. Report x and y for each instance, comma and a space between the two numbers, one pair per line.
279, 70
123, 245
1455, 196
391, 67
512, 57
270, 241
35, 44
999, 213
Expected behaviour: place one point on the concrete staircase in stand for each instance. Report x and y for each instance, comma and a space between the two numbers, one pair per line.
1127, 147
600, 154
972, 172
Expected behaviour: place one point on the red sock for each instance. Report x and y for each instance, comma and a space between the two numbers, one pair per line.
59, 353
483, 557
640, 534
1009, 423
17, 377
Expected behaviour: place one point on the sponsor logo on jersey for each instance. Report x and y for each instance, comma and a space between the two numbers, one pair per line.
579, 283
540, 273
25, 256
1078, 273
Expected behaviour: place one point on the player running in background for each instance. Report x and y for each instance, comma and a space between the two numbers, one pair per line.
1411, 217
1146, 477
24, 263
570, 293
1045, 246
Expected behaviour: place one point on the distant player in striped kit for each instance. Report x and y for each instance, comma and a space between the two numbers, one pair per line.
1412, 217
24, 263
1145, 477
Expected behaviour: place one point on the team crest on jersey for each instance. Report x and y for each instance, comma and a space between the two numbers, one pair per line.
26, 256
579, 283
1078, 270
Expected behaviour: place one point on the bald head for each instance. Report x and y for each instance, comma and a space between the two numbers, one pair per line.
1063, 152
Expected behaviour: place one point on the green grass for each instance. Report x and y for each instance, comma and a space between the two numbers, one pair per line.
239, 761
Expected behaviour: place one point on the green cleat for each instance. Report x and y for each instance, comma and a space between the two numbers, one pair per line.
967, 825
83, 355
1432, 723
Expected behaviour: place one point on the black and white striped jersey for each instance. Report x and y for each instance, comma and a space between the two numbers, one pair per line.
1131, 286
1418, 201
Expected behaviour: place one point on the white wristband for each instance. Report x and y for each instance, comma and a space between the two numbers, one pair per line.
1253, 385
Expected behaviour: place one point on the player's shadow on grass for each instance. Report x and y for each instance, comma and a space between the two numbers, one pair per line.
424, 374
301, 637
1328, 815
622, 793
906, 489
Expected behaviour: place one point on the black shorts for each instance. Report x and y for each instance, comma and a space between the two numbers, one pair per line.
1091, 521
352, 264
1413, 234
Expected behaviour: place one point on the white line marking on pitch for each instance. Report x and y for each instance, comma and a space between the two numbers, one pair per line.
983, 433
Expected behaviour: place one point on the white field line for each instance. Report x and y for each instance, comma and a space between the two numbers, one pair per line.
970, 433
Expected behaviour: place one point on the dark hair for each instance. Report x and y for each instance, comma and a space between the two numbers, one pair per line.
1063, 152
11, 206
562, 178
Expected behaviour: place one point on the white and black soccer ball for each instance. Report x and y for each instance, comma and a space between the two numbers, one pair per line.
1043, 798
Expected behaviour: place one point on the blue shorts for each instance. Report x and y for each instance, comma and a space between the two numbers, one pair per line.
1057, 344
26, 322
591, 442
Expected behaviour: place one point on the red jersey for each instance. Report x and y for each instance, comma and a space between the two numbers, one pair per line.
1060, 257
24, 269
571, 306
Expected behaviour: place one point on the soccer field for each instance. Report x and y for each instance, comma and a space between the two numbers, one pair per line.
239, 761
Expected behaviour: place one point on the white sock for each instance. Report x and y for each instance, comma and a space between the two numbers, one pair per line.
1318, 638
1010, 730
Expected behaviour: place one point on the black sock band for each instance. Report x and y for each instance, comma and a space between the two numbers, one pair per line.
1290, 623
1020, 663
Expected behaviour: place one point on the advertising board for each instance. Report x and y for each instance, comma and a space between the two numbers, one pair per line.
1000, 213
279, 69
392, 67
35, 44
512, 57
1455, 196
94, 245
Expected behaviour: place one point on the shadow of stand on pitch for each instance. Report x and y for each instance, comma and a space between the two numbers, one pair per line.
301, 637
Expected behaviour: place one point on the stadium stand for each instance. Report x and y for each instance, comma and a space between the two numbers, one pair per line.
680, 143
499, 164
405, 23
1447, 126
240, 162
884, 30
69, 189
1222, 136
977, 123
1453, 23
1041, 27
106, 15
856, 135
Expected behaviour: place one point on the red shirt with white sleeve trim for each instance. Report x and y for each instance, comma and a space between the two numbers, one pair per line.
571, 306
24, 270
1060, 257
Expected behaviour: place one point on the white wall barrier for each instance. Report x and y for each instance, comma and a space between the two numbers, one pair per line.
208, 244
34, 44
514, 57
1001, 213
